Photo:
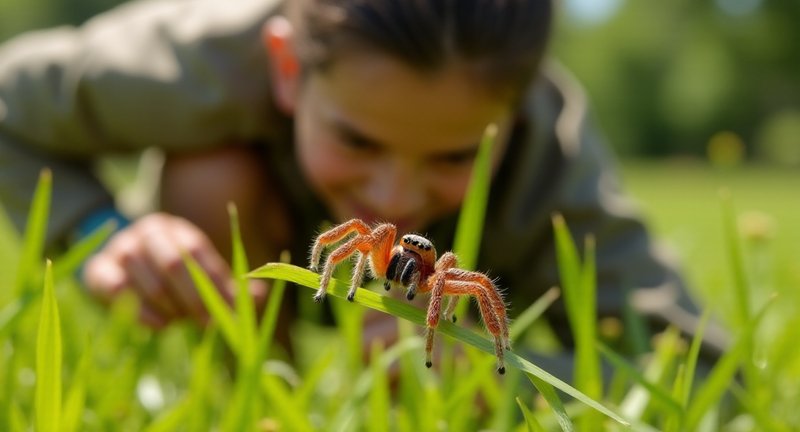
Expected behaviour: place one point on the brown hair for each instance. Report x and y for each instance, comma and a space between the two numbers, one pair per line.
501, 41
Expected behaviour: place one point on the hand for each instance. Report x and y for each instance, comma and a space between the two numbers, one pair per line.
146, 257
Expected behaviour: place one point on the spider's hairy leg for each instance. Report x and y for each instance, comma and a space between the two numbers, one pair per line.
450, 309
333, 235
490, 320
358, 275
498, 305
338, 255
436, 284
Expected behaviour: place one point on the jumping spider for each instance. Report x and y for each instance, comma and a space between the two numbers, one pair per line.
412, 264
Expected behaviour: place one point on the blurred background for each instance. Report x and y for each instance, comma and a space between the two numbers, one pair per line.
678, 78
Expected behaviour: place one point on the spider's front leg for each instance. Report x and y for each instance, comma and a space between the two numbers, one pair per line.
374, 246
332, 236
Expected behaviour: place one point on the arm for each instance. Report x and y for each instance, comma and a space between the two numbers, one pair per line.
162, 73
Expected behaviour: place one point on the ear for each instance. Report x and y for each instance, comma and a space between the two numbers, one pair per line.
284, 68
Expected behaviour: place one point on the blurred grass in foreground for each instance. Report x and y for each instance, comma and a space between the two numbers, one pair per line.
119, 376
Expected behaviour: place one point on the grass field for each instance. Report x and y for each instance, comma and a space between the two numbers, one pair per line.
118, 376
681, 200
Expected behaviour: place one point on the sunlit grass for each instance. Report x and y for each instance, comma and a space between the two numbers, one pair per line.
94, 369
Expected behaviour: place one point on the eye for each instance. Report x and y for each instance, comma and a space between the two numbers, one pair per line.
356, 142
456, 159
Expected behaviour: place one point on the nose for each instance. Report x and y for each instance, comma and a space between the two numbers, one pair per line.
395, 190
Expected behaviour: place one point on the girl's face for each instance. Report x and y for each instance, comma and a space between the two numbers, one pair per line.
380, 141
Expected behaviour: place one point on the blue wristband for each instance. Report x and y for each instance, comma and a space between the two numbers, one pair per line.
97, 218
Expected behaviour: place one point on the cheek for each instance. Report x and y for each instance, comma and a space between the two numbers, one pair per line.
448, 189
323, 165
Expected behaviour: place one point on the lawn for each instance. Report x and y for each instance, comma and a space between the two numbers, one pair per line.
118, 376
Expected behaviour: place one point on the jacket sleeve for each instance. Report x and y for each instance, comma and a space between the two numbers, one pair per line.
171, 74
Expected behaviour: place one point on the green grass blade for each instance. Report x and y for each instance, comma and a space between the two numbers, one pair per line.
473, 211
379, 392
48, 360
740, 285
569, 267
532, 313
269, 320
215, 303
723, 372
35, 232
241, 410
75, 400
469, 229
245, 309
548, 392
282, 404
655, 391
417, 316
691, 358
638, 398
173, 418
530, 419
77, 254
587, 360
13, 311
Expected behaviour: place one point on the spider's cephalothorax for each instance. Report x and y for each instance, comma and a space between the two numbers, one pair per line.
412, 261
411, 264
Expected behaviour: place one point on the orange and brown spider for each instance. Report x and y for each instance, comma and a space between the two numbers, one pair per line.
411, 264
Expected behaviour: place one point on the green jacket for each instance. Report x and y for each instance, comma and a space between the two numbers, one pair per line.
181, 76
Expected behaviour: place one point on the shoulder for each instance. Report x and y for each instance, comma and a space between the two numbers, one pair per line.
557, 105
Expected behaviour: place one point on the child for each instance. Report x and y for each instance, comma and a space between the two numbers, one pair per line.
318, 110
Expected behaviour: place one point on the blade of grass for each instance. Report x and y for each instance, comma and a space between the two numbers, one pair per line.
282, 404
76, 396
469, 228
723, 372
579, 283
637, 399
245, 309
587, 360
76, 255
343, 418
48, 360
417, 316
189, 411
241, 410
379, 392
741, 291
569, 267
214, 302
35, 232
532, 313
657, 392
530, 420
473, 211
553, 400
691, 358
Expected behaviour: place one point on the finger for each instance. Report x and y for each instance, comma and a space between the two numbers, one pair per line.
200, 248
164, 254
104, 278
150, 317
147, 283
